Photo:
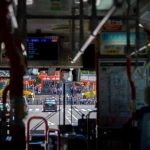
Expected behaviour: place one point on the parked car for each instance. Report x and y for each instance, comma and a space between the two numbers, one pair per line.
26, 106
50, 104
25, 103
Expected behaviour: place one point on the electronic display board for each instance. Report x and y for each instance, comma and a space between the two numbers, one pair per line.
43, 48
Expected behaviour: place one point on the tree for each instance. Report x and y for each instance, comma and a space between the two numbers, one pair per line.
38, 80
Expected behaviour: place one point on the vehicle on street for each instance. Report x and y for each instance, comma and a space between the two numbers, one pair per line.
26, 107
50, 104
25, 103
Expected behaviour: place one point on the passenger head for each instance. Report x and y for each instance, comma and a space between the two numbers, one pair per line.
147, 95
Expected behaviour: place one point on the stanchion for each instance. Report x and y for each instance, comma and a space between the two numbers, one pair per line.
46, 130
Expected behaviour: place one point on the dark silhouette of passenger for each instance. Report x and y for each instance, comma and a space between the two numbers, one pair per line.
140, 112
130, 132
147, 95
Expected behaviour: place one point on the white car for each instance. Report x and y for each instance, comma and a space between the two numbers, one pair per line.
26, 107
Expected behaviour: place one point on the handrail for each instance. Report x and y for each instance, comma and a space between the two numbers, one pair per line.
132, 85
58, 139
46, 128
88, 136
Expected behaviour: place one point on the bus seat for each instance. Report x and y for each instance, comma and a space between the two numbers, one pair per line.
144, 127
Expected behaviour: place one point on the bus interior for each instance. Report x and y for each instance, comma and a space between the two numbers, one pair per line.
73, 74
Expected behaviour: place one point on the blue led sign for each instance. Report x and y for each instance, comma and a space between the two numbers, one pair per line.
121, 38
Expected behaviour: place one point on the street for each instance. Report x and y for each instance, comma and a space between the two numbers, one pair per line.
53, 117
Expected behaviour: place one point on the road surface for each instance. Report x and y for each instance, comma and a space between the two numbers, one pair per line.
53, 117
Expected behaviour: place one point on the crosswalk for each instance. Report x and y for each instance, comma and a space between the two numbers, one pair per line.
71, 117
67, 109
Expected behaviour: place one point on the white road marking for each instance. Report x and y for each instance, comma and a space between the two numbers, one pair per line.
73, 109
72, 115
83, 109
89, 109
68, 119
30, 109
50, 123
37, 109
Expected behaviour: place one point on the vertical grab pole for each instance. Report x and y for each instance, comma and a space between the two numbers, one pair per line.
73, 33
64, 97
71, 109
81, 24
59, 108
97, 54
28, 128
72, 46
94, 22
137, 32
